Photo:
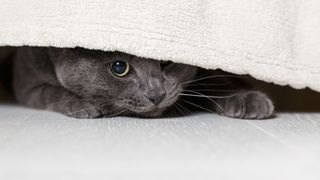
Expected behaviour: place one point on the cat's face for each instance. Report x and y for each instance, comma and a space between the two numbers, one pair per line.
141, 86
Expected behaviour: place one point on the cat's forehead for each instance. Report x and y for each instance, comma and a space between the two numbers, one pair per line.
115, 56
135, 60
121, 55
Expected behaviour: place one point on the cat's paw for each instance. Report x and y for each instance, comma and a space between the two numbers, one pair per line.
248, 105
86, 111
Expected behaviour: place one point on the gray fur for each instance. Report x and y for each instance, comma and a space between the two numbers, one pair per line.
79, 83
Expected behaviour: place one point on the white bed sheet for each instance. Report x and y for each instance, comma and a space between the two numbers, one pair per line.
44, 145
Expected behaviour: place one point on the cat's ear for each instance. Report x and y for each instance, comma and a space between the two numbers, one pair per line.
55, 52
38, 59
86, 53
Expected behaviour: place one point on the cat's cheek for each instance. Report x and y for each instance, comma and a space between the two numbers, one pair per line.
183, 74
190, 73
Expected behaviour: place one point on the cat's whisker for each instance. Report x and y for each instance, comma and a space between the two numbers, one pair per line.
205, 96
208, 97
212, 96
215, 90
85, 109
209, 77
111, 112
175, 109
184, 108
178, 107
115, 114
70, 100
196, 105
78, 111
206, 84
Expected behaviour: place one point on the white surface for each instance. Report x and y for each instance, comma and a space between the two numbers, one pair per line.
44, 145
273, 40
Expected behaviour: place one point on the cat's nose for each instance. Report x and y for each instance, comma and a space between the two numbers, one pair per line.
156, 98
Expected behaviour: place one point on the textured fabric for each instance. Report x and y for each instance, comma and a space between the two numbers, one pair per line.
273, 40
37, 145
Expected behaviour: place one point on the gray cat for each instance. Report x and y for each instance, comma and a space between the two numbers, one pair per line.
89, 84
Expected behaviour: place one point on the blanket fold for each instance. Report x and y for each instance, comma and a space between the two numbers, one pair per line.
275, 41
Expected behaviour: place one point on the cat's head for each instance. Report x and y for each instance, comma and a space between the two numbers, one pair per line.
142, 86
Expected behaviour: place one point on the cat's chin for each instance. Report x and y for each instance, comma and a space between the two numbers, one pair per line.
150, 114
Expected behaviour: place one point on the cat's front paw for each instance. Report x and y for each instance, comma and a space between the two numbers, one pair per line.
86, 111
248, 105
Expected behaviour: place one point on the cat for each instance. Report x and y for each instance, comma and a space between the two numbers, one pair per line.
6, 54
84, 83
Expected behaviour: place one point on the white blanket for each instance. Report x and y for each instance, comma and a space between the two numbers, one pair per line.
273, 40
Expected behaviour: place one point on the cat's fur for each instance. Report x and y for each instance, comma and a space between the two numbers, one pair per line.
79, 83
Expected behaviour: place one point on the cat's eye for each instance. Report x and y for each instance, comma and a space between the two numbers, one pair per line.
120, 68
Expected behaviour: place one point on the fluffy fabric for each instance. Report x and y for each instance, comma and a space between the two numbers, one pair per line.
275, 41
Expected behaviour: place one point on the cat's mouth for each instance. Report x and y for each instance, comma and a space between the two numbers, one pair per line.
172, 98
143, 107
152, 110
